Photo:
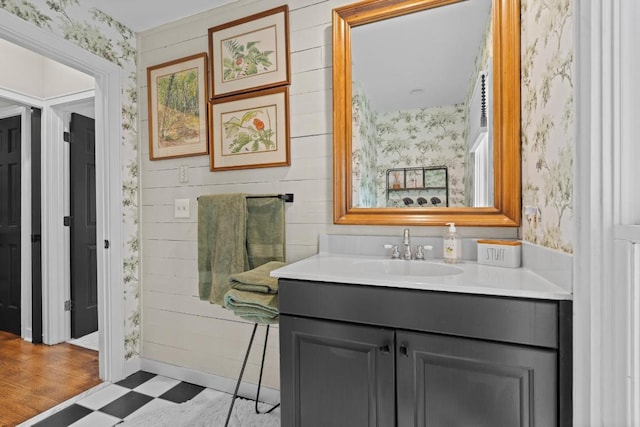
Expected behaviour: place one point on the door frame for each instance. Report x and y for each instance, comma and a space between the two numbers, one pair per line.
109, 192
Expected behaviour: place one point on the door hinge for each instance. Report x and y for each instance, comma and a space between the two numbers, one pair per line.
68, 305
35, 238
66, 137
67, 221
106, 244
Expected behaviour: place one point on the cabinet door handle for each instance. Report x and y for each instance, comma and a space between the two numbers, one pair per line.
404, 350
385, 349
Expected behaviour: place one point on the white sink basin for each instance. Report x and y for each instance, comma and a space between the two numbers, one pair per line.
397, 267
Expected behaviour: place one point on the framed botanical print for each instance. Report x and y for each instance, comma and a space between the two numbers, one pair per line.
250, 130
177, 99
251, 53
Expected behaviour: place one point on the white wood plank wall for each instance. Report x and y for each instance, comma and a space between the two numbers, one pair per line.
178, 328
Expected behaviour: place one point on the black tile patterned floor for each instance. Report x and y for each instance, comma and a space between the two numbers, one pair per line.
138, 393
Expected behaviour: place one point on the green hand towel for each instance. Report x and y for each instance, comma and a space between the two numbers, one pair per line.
253, 306
222, 222
265, 230
258, 279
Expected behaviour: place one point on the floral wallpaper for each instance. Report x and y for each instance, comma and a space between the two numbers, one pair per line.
548, 134
98, 33
406, 139
427, 137
433, 136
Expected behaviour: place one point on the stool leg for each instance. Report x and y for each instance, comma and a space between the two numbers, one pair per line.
244, 364
264, 351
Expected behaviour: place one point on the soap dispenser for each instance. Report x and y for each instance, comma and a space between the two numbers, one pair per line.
452, 245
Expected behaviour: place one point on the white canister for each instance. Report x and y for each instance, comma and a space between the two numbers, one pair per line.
500, 253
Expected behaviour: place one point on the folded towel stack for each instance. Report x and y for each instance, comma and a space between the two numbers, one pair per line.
254, 294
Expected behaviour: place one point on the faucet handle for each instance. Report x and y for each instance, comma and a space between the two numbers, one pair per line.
395, 253
420, 250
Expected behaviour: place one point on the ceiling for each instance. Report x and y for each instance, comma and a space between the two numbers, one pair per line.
141, 15
423, 59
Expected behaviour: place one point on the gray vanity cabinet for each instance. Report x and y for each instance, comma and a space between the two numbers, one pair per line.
339, 374
353, 355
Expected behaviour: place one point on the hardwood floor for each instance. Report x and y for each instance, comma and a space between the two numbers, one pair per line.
36, 377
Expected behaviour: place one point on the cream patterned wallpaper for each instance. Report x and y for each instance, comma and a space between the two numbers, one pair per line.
98, 33
548, 134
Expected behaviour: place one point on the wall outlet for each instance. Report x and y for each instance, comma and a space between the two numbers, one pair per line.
181, 208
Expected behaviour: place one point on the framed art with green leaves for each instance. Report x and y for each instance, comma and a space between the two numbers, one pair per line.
177, 99
251, 53
250, 130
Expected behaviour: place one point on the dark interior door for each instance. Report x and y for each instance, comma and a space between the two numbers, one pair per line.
10, 139
84, 289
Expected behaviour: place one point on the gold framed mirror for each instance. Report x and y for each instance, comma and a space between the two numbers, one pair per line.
415, 200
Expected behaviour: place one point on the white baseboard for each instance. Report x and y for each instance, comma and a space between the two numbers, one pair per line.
27, 334
227, 385
132, 366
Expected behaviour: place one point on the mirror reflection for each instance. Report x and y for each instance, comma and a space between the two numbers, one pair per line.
422, 130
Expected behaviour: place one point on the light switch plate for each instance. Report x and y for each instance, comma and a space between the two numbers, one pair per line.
181, 208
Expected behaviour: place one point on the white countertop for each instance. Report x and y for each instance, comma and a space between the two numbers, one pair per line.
473, 278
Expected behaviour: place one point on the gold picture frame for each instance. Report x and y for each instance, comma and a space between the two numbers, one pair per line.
177, 100
250, 130
250, 53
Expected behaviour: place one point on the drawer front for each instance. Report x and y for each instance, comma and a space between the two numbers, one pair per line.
514, 320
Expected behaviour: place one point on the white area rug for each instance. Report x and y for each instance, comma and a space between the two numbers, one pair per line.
207, 413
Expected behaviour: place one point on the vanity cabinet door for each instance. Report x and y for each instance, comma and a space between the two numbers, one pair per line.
336, 374
450, 381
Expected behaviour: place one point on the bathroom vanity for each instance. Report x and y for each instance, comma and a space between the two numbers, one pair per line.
368, 341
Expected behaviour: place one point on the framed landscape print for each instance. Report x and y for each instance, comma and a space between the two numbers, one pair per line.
177, 97
250, 53
250, 130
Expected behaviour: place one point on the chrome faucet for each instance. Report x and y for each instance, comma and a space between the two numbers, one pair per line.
420, 251
395, 254
407, 245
